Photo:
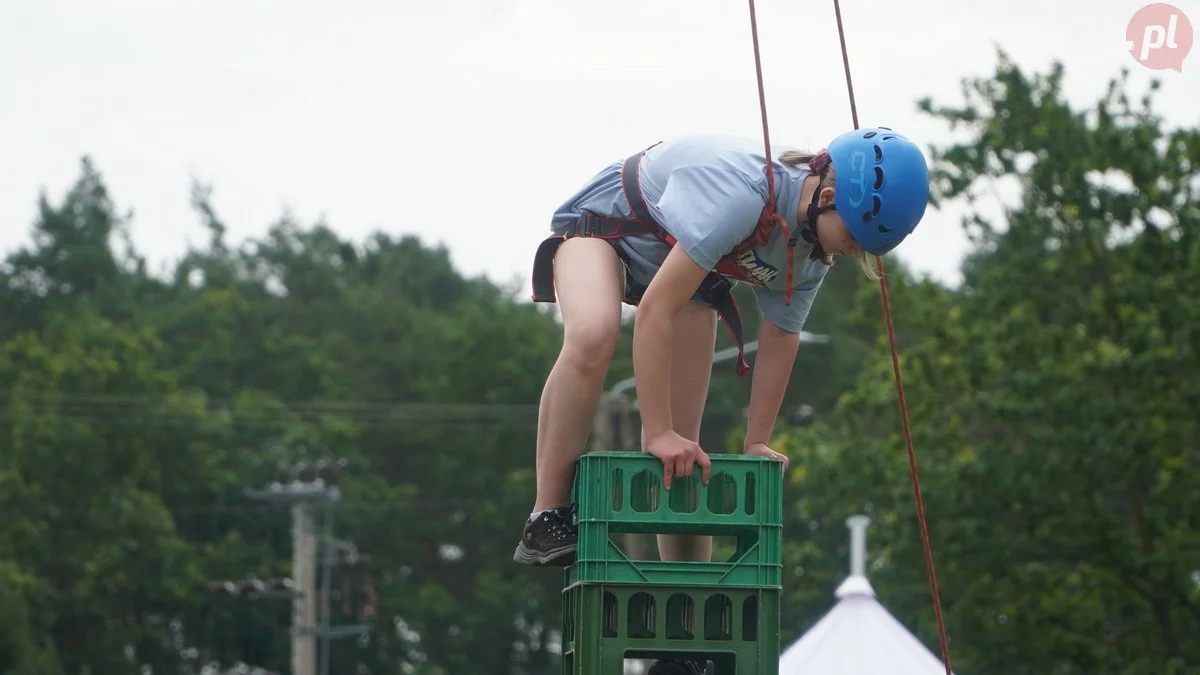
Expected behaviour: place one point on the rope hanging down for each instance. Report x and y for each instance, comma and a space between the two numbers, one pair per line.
887, 315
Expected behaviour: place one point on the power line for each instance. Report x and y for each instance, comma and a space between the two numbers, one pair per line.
371, 506
413, 407
174, 411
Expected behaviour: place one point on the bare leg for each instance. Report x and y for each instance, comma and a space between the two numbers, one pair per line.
693, 338
589, 281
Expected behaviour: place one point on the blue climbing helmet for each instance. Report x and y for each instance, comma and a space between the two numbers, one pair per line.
882, 186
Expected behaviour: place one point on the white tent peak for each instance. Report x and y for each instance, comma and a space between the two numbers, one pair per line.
858, 636
854, 586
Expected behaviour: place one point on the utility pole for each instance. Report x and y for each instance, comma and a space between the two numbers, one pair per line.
302, 486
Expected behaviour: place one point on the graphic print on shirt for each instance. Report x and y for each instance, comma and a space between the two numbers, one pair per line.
748, 267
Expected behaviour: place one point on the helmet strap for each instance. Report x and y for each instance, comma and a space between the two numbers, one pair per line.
808, 226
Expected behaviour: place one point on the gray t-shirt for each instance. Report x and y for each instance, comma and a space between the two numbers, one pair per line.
708, 192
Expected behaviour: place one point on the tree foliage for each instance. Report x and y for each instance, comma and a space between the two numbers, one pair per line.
1053, 397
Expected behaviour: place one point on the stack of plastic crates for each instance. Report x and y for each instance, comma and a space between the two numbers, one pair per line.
617, 608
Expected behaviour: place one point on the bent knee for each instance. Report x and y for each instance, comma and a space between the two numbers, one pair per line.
589, 343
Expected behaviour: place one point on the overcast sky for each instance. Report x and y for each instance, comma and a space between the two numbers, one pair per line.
468, 121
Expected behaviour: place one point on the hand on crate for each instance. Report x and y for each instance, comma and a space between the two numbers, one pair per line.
761, 450
679, 456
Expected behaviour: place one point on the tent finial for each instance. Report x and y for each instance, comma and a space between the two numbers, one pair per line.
858, 544
856, 584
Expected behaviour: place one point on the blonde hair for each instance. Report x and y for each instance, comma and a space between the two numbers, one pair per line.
825, 169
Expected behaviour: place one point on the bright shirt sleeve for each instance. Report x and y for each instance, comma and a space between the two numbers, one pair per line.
709, 211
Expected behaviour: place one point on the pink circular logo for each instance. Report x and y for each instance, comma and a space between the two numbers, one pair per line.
1159, 37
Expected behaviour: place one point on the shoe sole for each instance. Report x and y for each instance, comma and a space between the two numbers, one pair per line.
559, 557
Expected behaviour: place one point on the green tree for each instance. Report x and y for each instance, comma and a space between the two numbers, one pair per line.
1053, 397
91, 484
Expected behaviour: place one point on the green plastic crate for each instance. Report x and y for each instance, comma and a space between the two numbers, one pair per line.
625, 490
737, 629
756, 561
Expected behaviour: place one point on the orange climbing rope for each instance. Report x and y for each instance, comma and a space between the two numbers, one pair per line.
887, 315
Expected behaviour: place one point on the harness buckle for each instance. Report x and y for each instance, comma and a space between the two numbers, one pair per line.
588, 225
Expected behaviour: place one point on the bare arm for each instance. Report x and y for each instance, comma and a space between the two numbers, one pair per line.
772, 370
673, 286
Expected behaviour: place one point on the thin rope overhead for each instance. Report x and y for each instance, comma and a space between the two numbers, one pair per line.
887, 315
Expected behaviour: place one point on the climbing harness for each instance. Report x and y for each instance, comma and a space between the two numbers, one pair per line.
715, 290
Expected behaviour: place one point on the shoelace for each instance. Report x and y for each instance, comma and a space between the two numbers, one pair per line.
561, 522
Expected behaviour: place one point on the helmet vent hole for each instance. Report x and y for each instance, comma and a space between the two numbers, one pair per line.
876, 204
878, 179
866, 216
869, 134
886, 128
878, 154
884, 230
887, 138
